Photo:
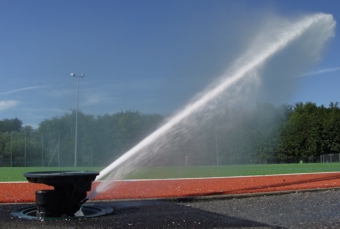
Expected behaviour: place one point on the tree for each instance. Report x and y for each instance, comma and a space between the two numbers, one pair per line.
8, 125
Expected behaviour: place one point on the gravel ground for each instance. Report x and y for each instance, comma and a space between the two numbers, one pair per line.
318, 209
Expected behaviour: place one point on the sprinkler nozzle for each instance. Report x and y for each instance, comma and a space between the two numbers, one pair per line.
83, 201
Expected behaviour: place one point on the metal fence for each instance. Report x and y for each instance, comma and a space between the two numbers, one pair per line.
19, 162
330, 157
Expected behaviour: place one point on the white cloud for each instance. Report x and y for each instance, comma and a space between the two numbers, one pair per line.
322, 71
4, 105
20, 89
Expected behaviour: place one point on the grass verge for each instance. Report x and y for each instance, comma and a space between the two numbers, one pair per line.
231, 170
16, 173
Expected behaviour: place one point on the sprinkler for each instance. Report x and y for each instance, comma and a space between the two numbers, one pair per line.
66, 200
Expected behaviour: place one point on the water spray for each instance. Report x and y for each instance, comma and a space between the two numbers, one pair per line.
68, 198
248, 63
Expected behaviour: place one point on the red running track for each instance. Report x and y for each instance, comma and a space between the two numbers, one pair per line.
19, 192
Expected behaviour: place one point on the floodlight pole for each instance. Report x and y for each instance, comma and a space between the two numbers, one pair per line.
76, 131
25, 151
42, 150
11, 149
59, 148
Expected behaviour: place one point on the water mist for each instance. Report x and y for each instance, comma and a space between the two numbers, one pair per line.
233, 83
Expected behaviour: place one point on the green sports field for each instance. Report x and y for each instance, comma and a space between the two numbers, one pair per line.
16, 173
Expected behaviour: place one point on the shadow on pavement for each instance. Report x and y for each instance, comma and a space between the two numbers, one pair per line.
137, 214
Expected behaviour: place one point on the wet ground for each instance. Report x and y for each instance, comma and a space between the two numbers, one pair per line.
298, 209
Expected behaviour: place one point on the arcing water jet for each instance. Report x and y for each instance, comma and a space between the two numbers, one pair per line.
243, 67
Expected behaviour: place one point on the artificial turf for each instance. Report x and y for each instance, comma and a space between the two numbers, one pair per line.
16, 173
167, 172
231, 170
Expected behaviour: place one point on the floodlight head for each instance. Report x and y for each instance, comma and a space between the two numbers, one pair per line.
80, 76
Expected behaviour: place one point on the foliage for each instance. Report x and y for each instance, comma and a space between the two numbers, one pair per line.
100, 139
259, 134
9, 125
310, 132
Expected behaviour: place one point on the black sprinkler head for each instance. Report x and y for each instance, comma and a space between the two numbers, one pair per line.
67, 198
69, 191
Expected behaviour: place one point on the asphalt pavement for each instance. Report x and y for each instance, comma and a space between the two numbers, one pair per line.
303, 209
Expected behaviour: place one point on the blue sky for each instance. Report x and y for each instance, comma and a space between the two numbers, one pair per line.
149, 56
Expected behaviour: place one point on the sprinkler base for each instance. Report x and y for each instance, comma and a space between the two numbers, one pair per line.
86, 211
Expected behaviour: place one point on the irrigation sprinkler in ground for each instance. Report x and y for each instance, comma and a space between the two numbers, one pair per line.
66, 200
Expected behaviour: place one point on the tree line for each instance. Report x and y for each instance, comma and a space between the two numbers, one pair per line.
100, 139
260, 134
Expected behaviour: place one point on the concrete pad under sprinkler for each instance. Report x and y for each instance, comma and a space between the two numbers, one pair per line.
66, 200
